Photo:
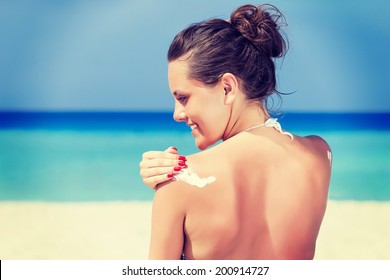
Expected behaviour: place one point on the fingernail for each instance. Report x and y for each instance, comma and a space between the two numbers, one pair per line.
170, 175
174, 148
177, 168
181, 163
182, 158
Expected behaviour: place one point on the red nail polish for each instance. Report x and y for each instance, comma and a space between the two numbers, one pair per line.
174, 148
181, 163
177, 168
170, 175
182, 158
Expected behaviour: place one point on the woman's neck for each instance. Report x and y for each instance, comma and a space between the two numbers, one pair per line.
245, 117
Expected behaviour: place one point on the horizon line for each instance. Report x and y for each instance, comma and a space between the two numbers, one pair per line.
147, 111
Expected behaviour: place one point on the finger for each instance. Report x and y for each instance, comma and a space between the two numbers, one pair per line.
158, 154
162, 162
152, 182
172, 150
158, 171
158, 162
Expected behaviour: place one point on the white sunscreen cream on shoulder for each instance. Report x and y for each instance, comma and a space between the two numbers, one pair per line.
329, 157
190, 177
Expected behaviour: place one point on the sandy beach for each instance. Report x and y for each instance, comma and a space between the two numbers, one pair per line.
121, 231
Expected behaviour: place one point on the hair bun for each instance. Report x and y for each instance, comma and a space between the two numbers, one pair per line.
260, 25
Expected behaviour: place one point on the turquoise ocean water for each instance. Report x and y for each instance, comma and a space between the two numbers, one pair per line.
95, 156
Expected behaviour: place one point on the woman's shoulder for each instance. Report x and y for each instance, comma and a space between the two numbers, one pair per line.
200, 171
318, 147
314, 155
225, 154
173, 194
317, 141
240, 145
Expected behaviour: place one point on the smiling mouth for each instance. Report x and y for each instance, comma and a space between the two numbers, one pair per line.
193, 126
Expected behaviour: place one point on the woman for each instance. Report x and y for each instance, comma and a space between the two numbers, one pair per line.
259, 194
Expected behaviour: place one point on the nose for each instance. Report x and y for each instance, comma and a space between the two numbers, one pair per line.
179, 115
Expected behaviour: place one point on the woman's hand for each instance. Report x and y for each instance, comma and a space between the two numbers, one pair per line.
157, 167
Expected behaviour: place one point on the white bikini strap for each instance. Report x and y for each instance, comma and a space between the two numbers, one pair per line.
272, 122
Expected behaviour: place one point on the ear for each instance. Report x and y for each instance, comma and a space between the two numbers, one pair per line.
229, 83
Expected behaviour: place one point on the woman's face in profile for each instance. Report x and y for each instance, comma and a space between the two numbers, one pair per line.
200, 106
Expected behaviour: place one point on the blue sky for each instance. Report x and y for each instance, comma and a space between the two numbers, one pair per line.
111, 55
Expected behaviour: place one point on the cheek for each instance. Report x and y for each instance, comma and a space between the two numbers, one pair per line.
214, 121
212, 117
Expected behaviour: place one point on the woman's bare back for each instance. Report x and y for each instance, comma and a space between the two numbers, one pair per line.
267, 202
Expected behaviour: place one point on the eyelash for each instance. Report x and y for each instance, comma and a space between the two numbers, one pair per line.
182, 98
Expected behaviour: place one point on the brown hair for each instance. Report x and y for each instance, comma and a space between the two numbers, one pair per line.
243, 46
